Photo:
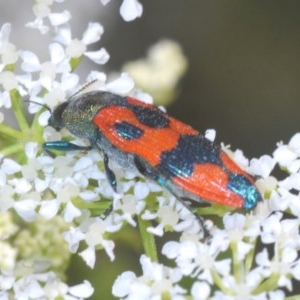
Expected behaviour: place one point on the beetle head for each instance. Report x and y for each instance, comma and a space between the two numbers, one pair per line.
56, 119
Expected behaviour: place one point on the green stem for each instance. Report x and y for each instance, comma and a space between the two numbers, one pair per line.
218, 281
96, 208
296, 297
268, 285
249, 259
10, 132
74, 62
148, 239
12, 149
19, 110
237, 264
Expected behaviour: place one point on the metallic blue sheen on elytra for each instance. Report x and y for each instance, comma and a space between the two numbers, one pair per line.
243, 187
181, 160
128, 131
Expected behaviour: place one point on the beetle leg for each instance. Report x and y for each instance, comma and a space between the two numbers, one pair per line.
110, 175
144, 169
206, 234
107, 212
148, 173
64, 146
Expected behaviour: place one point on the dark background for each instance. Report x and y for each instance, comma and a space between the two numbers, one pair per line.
243, 76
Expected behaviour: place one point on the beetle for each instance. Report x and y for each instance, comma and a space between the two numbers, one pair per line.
141, 136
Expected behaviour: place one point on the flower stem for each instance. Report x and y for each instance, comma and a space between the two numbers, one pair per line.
268, 285
249, 259
147, 239
12, 149
10, 132
236, 263
219, 283
18, 108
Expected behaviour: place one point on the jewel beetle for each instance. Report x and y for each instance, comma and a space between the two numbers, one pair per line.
141, 136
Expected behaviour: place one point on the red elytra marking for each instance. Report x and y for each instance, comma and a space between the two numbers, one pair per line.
149, 146
182, 128
209, 181
233, 167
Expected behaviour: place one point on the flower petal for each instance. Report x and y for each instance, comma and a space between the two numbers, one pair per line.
93, 33
130, 10
99, 57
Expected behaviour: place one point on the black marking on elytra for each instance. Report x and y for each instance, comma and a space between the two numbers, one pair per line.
190, 150
128, 131
153, 118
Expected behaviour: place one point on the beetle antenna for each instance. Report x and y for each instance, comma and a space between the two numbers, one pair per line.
83, 87
43, 105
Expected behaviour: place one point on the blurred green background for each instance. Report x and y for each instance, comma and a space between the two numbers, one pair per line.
242, 80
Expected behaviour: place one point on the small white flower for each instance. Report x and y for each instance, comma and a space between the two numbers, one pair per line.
10, 167
76, 48
287, 156
8, 256
89, 256
31, 149
131, 9
283, 265
82, 163
141, 190
122, 85
200, 290
129, 207
235, 228
6, 198
239, 157
48, 70
42, 10
5, 100
26, 209
294, 143
210, 134
168, 217
83, 290
73, 238
283, 232
196, 259
49, 208
8, 80
121, 287
58, 19
262, 166
8, 52
71, 212
157, 280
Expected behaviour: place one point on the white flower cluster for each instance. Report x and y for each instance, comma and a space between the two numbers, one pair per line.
42, 9
255, 256
252, 256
